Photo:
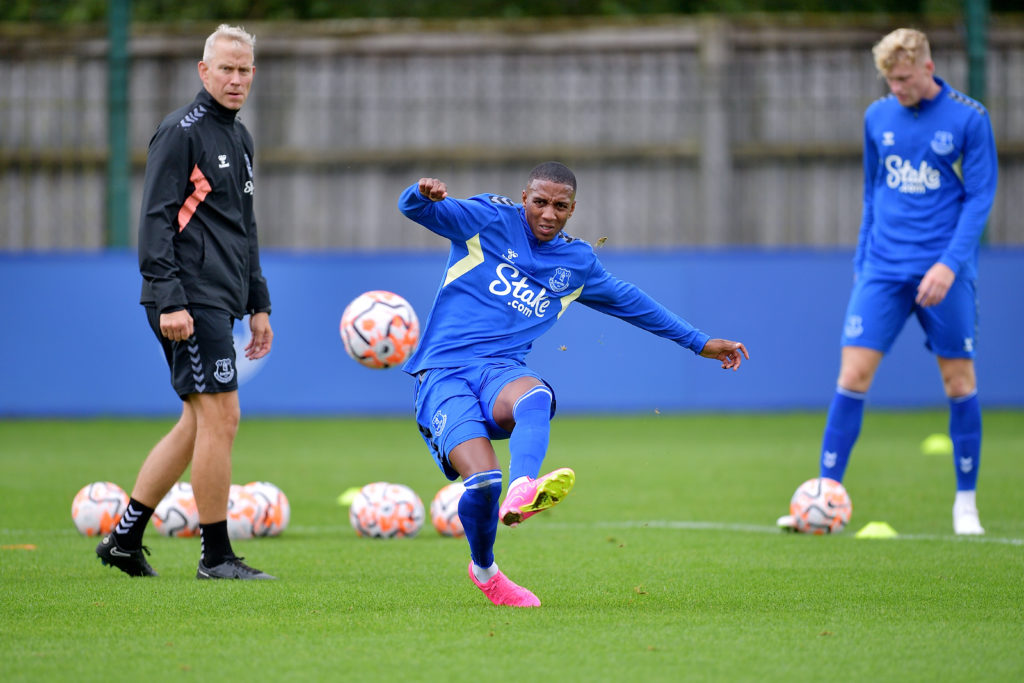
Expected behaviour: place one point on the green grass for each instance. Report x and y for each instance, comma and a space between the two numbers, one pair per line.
661, 565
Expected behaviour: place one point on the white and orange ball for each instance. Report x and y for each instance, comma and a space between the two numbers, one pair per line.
444, 510
97, 508
821, 506
245, 513
277, 511
385, 510
177, 513
380, 329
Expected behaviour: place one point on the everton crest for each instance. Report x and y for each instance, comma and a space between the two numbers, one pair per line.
559, 282
942, 143
225, 372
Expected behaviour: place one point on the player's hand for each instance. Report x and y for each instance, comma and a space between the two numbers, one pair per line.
177, 325
935, 285
262, 336
731, 353
433, 189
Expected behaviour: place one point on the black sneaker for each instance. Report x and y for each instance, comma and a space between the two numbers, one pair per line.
231, 568
131, 562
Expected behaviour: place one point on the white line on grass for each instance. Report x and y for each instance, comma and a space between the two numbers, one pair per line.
763, 529
713, 526
624, 524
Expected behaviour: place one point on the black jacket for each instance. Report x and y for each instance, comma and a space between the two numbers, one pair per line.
197, 232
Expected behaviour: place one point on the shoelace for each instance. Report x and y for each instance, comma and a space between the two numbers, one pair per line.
236, 560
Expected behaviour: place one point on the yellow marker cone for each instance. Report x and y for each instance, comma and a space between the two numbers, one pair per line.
937, 444
876, 530
347, 496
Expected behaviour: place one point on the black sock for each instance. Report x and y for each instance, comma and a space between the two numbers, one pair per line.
129, 530
216, 547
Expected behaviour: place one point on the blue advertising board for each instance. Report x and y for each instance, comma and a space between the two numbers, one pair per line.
75, 341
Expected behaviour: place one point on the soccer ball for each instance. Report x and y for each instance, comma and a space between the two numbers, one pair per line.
245, 513
444, 510
276, 509
177, 514
97, 508
383, 510
380, 329
821, 506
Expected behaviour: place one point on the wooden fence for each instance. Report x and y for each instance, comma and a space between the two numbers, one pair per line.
681, 131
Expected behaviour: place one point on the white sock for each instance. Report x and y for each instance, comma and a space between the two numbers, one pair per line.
518, 481
965, 499
484, 575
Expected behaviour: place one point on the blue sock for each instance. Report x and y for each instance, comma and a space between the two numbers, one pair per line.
529, 441
841, 431
478, 510
965, 432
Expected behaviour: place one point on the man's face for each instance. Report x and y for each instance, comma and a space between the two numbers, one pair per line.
911, 83
548, 206
227, 76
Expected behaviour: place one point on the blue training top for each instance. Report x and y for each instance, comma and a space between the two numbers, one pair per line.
929, 181
503, 288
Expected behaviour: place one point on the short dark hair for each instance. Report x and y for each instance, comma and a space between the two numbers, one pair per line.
555, 172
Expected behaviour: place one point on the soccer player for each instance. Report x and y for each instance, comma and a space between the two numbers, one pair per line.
199, 259
929, 181
512, 271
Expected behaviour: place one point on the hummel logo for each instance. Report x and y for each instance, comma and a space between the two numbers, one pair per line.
223, 159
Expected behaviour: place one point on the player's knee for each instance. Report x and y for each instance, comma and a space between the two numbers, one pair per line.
855, 378
538, 399
219, 414
482, 489
958, 378
959, 387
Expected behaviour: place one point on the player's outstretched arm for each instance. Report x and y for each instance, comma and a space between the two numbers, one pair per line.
433, 189
731, 353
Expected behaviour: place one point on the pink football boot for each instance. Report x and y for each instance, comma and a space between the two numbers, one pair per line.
501, 590
533, 495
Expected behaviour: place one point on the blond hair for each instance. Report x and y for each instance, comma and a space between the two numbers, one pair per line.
235, 33
904, 45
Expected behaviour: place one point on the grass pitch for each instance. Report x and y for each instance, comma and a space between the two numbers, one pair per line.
662, 565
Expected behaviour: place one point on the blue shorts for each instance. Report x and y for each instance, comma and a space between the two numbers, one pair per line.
454, 405
879, 308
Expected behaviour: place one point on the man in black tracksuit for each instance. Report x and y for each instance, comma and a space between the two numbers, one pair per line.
199, 259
